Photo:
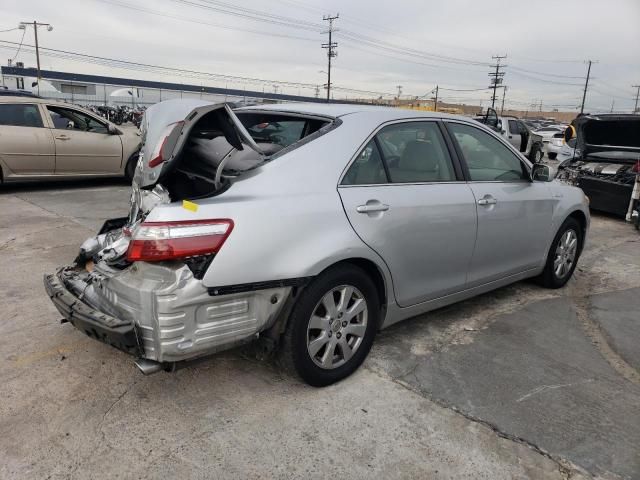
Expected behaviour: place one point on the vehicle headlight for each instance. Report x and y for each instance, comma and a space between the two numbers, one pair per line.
586, 199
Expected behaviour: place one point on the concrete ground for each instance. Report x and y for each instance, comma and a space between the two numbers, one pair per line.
518, 383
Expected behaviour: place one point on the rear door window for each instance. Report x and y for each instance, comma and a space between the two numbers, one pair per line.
20, 115
367, 168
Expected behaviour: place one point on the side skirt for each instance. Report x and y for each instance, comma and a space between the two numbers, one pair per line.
396, 314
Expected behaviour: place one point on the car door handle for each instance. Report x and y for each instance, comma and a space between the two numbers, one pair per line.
63, 137
375, 207
487, 201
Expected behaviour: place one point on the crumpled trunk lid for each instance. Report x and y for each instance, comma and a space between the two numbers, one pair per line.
166, 127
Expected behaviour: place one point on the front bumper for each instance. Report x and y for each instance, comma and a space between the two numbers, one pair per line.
105, 328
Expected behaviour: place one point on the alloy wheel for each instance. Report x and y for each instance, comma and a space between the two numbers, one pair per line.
337, 327
565, 253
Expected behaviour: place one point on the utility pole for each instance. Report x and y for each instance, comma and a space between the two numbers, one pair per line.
504, 92
586, 85
435, 100
317, 91
613, 102
35, 25
496, 77
637, 87
399, 87
331, 49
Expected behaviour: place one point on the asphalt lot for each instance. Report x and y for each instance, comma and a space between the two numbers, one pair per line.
518, 383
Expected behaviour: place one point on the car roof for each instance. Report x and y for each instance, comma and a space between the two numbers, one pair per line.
6, 92
27, 99
335, 110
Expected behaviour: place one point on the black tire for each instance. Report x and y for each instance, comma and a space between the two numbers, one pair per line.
294, 355
549, 278
536, 154
552, 155
130, 169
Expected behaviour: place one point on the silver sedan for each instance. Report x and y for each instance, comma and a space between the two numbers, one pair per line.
309, 227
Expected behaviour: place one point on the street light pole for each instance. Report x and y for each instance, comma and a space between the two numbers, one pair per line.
35, 26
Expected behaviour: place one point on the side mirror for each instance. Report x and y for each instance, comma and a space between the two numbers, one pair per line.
112, 130
71, 125
542, 173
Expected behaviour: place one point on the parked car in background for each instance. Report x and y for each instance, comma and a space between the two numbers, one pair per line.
552, 139
7, 92
516, 132
43, 139
602, 156
313, 235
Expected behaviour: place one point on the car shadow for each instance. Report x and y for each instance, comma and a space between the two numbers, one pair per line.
35, 186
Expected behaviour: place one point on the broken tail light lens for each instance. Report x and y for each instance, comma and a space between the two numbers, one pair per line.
156, 241
164, 149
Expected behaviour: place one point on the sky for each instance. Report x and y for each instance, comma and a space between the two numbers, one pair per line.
416, 44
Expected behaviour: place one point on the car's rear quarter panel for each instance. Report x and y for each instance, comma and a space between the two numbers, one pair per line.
288, 219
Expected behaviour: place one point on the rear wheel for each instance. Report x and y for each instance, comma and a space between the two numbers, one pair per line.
536, 154
332, 326
563, 255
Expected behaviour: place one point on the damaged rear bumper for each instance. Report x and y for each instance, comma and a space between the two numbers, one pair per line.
160, 311
105, 328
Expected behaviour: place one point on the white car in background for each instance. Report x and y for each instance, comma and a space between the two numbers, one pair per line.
552, 139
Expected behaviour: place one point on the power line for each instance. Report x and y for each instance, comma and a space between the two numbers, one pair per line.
530, 77
200, 22
250, 14
544, 74
24, 31
157, 69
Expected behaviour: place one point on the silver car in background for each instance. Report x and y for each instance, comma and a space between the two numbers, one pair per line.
309, 227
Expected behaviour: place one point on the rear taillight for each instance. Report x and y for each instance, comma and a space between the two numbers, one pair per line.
155, 241
636, 167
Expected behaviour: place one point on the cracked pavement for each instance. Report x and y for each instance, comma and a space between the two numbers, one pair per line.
518, 383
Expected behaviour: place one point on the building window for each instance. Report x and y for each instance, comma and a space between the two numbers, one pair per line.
75, 89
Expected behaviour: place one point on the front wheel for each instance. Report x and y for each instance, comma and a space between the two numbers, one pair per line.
332, 326
563, 255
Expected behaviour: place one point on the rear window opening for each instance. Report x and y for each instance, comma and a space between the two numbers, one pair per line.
208, 162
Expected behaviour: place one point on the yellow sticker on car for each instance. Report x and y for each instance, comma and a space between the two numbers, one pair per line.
187, 205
